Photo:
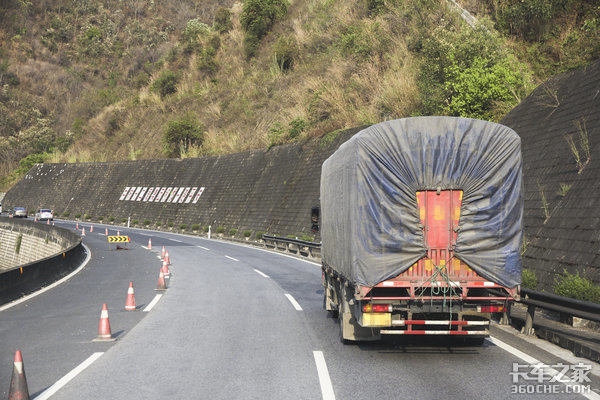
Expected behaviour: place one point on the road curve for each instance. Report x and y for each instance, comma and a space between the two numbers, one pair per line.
235, 323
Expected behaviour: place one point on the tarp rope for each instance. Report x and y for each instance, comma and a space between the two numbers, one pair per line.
448, 291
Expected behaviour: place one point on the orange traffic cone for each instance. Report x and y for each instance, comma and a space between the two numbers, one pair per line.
35, 219
77, 226
161, 282
104, 333
18, 384
165, 269
118, 233
149, 243
47, 222
91, 228
82, 231
162, 254
167, 259
130, 304
106, 231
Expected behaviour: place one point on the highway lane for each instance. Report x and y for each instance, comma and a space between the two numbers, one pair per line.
226, 329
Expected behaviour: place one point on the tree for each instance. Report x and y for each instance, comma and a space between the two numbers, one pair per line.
181, 133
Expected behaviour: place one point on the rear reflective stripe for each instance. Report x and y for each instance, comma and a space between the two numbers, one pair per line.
461, 333
433, 322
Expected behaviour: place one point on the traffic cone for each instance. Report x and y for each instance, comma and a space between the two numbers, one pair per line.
47, 222
106, 231
149, 243
162, 285
167, 259
104, 333
91, 228
77, 226
82, 231
165, 269
18, 384
130, 304
162, 254
35, 219
118, 233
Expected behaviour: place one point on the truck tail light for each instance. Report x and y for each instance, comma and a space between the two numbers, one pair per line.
490, 309
377, 307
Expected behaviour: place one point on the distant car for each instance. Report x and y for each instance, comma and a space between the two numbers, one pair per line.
18, 212
44, 214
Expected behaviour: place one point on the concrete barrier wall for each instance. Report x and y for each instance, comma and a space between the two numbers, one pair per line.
62, 252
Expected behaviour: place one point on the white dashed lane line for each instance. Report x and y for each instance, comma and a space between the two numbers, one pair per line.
46, 394
203, 248
261, 273
293, 301
231, 258
324, 380
153, 303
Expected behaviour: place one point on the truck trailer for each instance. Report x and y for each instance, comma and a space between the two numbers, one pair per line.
421, 228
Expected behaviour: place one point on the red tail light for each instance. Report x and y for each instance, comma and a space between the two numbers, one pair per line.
491, 309
377, 307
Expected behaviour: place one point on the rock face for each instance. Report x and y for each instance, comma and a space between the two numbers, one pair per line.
559, 124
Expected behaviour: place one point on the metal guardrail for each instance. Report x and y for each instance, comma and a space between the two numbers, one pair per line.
294, 246
564, 305
532, 298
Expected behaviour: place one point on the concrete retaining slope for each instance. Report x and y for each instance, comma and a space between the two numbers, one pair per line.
262, 190
562, 201
46, 254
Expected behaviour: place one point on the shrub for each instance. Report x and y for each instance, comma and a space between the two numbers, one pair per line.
529, 279
222, 22
66, 214
205, 229
158, 224
247, 233
100, 218
170, 224
577, 287
147, 222
111, 219
259, 234
233, 232
192, 35
257, 19
206, 60
135, 222
307, 238
78, 215
183, 227
220, 229
123, 220
182, 133
195, 227
166, 83
285, 52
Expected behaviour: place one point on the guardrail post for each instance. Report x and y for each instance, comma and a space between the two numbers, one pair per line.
528, 329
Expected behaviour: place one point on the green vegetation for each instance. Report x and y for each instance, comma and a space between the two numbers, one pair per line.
220, 229
66, 214
111, 219
183, 227
233, 232
166, 83
247, 233
259, 234
100, 218
18, 243
195, 227
577, 287
529, 279
78, 215
181, 134
257, 19
147, 222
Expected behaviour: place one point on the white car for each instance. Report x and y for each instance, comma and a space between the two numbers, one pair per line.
44, 214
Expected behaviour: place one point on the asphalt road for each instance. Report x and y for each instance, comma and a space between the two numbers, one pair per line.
235, 323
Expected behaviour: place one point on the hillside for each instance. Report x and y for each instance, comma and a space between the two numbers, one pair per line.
109, 80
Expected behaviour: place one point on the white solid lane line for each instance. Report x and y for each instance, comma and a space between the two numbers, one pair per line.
261, 273
293, 301
324, 380
153, 303
548, 370
231, 258
65, 379
203, 248
175, 240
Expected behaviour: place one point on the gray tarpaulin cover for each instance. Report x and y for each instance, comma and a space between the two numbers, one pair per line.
370, 221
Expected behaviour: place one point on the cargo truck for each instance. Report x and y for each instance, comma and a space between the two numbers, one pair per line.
421, 227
